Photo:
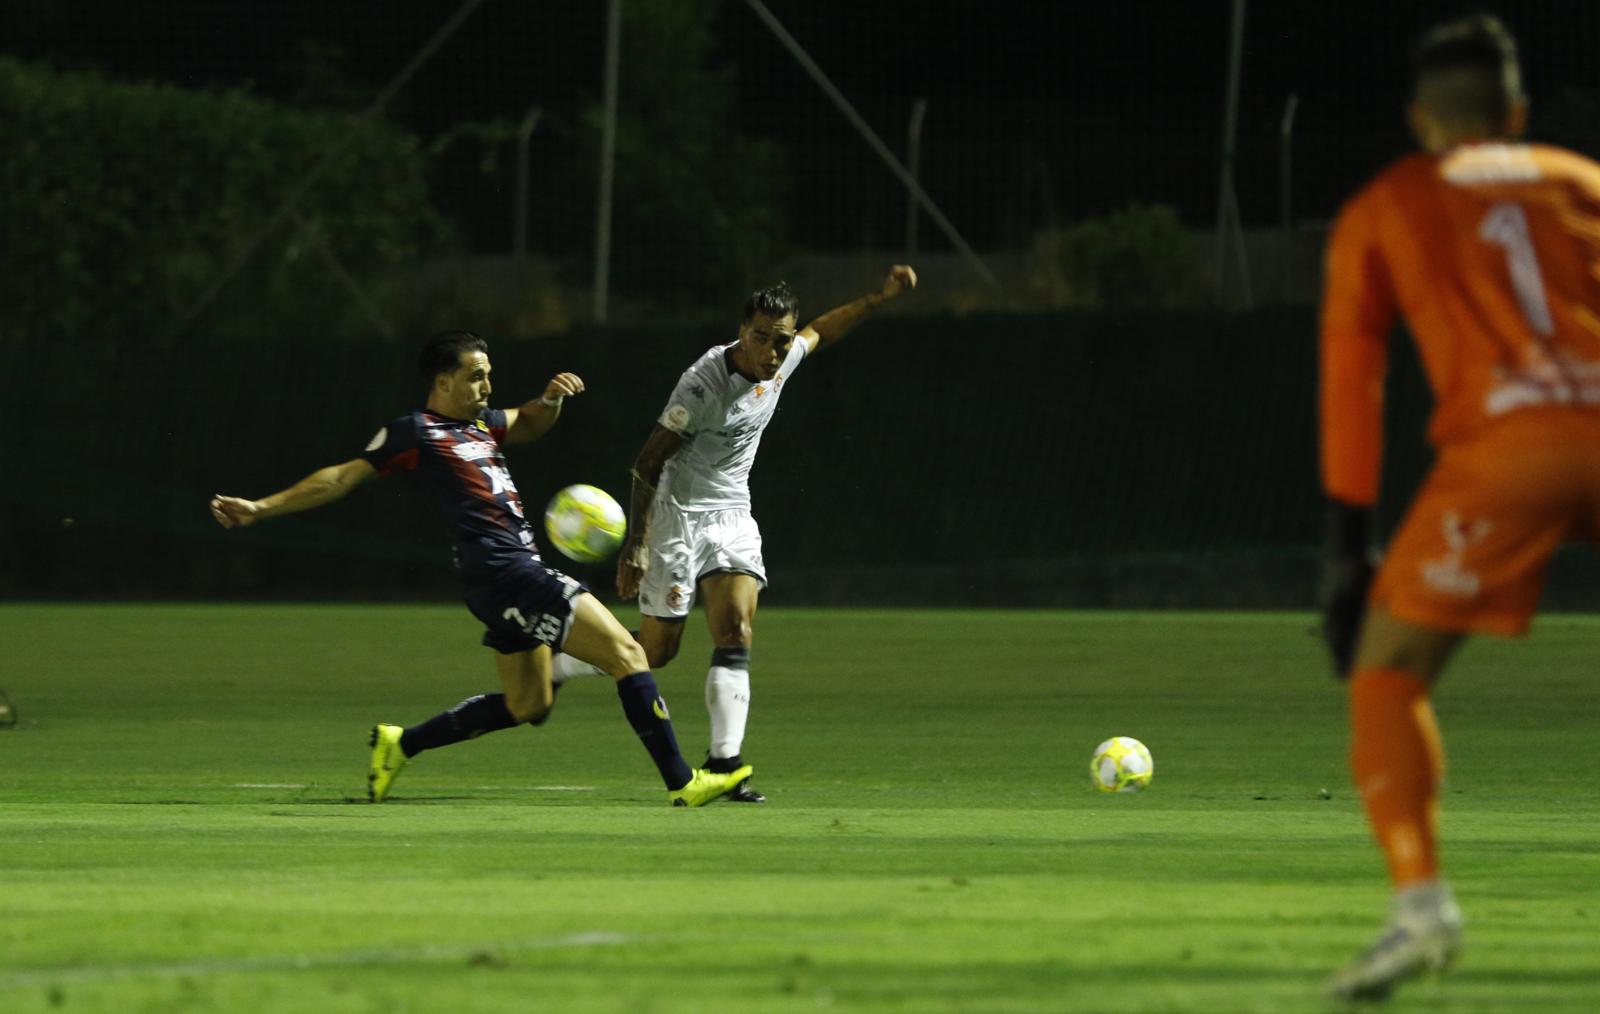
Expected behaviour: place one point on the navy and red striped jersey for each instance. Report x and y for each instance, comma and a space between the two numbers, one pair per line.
459, 466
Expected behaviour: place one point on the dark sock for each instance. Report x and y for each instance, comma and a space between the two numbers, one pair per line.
471, 718
647, 713
723, 765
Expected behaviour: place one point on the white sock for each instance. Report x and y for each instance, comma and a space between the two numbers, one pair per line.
1428, 901
728, 701
564, 667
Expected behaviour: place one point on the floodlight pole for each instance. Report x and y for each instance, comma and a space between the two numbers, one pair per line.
1286, 163
875, 143
1286, 191
329, 155
608, 154
919, 109
340, 273
519, 217
1226, 197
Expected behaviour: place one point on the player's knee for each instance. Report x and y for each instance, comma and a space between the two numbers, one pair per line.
540, 718
1417, 660
734, 632
660, 654
1386, 643
663, 649
532, 705
627, 658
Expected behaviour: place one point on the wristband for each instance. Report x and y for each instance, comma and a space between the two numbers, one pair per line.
553, 402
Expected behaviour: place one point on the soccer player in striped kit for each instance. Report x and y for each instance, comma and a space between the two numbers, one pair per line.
452, 449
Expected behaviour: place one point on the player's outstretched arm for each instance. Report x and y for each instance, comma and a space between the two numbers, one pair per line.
533, 420
841, 320
322, 486
647, 468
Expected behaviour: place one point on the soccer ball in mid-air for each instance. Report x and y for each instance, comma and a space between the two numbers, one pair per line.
584, 523
1121, 764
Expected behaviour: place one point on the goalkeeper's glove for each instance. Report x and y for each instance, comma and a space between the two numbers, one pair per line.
1346, 579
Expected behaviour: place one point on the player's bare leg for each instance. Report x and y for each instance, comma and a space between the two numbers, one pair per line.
660, 637
730, 603
1388, 642
596, 637
1398, 762
525, 683
526, 696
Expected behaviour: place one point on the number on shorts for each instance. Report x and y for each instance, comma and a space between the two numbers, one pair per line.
1506, 226
544, 627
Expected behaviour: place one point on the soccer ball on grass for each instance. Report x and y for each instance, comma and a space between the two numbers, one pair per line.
584, 523
1121, 764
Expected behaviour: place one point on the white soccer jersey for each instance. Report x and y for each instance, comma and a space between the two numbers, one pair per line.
722, 414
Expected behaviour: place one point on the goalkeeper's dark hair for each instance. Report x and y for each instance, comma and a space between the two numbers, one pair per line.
441, 353
773, 301
1466, 72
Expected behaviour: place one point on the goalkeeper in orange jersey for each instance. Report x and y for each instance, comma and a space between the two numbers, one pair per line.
1490, 251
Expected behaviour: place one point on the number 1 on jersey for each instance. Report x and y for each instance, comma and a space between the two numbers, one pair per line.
1506, 226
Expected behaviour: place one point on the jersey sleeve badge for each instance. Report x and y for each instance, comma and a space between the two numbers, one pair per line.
676, 418
393, 448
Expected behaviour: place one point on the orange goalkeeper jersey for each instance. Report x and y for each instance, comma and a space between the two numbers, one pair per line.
1492, 254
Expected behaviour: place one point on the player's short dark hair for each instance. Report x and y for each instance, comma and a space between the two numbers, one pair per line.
1467, 72
773, 301
441, 353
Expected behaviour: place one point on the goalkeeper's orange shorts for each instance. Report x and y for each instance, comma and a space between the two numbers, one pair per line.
1472, 551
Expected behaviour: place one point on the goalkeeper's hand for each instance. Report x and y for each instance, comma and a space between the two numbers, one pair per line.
1346, 579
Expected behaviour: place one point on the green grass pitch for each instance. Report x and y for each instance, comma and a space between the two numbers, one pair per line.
183, 824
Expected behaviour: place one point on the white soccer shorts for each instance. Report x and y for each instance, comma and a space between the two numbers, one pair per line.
685, 546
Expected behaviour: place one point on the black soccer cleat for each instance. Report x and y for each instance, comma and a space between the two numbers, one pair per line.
743, 793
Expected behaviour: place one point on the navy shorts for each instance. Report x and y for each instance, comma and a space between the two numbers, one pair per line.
524, 608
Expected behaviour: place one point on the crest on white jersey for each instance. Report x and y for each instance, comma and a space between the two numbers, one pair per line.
676, 418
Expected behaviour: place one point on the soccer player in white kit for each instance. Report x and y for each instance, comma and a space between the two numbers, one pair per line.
690, 528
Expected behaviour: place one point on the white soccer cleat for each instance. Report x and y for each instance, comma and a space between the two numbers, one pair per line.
1422, 937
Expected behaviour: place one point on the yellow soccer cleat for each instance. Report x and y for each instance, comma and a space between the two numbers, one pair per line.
387, 760
708, 785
